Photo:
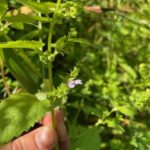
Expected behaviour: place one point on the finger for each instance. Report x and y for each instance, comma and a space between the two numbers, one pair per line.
61, 130
47, 119
43, 138
60, 127
46, 139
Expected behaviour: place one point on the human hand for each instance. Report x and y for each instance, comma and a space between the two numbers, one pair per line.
44, 137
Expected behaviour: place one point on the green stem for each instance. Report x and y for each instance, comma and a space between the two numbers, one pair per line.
50, 76
40, 39
78, 112
2, 74
53, 118
57, 6
52, 24
39, 23
49, 52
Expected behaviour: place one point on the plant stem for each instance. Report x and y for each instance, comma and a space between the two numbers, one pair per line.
40, 39
39, 22
78, 112
52, 24
49, 52
50, 76
2, 73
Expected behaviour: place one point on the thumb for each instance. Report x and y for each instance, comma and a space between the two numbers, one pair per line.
43, 138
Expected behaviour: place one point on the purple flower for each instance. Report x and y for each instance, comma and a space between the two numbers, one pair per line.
73, 83
78, 81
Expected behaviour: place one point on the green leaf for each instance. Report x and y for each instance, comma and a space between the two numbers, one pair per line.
128, 111
92, 110
22, 69
89, 140
113, 123
22, 44
42, 8
18, 25
25, 19
129, 70
140, 98
18, 113
3, 7
80, 40
31, 35
1, 55
28, 63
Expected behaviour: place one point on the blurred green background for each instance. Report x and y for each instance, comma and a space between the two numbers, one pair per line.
111, 109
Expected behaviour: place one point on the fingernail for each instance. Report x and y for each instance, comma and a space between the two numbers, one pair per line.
43, 139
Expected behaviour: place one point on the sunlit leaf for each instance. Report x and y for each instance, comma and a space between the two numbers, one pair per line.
3, 7
128, 111
25, 18
18, 113
89, 140
22, 44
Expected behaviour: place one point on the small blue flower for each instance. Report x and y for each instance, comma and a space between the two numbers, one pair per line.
78, 81
73, 83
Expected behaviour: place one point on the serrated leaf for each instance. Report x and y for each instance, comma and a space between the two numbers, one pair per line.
83, 143
22, 44
25, 19
18, 113
128, 111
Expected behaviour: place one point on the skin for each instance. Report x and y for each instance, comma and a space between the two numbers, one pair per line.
44, 137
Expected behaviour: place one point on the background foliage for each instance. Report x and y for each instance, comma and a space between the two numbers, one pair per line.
111, 109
